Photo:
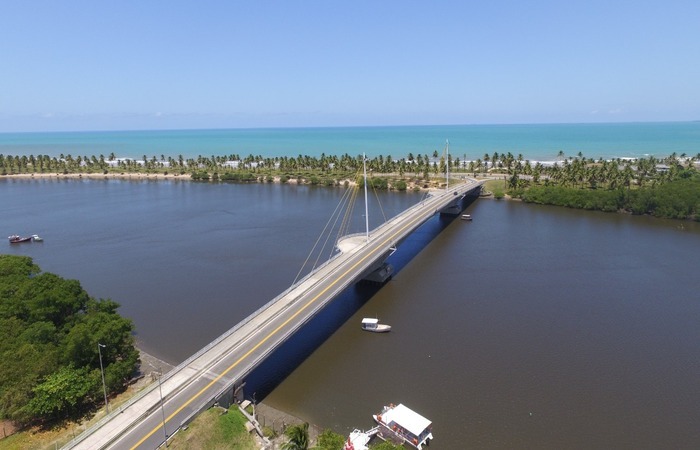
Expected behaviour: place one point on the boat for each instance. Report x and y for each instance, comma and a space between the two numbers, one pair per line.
15, 239
373, 325
400, 424
37, 238
467, 217
357, 440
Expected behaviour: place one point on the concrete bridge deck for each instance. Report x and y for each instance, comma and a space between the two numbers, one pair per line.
196, 384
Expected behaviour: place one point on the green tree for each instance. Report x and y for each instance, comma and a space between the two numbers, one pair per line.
49, 331
328, 440
298, 436
64, 393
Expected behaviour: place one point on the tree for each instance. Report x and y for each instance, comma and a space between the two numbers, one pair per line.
64, 393
328, 440
298, 436
49, 331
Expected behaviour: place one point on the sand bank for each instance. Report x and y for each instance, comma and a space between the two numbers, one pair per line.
100, 176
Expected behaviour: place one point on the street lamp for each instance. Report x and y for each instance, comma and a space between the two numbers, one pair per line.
104, 386
162, 409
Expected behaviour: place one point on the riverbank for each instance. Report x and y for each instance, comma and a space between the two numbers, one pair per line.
412, 183
101, 176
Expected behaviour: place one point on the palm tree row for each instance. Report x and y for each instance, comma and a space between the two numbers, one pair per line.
582, 173
578, 171
422, 164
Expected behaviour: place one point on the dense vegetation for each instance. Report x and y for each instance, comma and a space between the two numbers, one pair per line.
234, 166
668, 188
49, 334
665, 187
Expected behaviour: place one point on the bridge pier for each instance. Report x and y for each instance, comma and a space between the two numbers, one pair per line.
460, 202
380, 275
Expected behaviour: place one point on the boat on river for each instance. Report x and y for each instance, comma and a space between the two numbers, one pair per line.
400, 424
373, 325
16, 239
466, 217
37, 238
358, 440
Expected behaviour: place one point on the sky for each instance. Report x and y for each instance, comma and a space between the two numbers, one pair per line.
122, 65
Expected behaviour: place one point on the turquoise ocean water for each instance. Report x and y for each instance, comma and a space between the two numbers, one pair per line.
536, 142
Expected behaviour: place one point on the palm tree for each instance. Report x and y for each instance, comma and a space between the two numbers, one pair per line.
298, 436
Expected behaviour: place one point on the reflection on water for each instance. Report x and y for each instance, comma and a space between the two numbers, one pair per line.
530, 327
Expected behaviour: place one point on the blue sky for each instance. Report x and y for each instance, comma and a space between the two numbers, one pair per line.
90, 65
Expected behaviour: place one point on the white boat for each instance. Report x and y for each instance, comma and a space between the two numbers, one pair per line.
466, 217
37, 238
400, 424
373, 325
357, 440
16, 239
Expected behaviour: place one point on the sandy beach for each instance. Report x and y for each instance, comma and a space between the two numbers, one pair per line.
102, 176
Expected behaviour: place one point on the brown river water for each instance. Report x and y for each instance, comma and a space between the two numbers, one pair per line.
530, 327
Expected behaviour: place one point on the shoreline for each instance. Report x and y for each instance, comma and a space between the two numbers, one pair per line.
150, 364
416, 186
100, 176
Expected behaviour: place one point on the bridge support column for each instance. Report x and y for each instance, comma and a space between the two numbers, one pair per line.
380, 275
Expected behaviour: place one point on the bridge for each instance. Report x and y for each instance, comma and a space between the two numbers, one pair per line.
217, 373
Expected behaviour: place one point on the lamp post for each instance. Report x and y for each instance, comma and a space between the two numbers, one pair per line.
162, 409
104, 386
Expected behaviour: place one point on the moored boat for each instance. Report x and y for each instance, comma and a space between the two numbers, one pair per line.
467, 217
373, 325
400, 424
15, 239
357, 440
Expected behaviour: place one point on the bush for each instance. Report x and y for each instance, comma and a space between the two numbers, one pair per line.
328, 440
379, 183
400, 185
200, 175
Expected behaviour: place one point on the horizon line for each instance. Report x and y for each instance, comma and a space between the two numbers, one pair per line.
322, 127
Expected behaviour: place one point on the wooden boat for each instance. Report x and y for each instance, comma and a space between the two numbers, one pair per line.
16, 239
373, 325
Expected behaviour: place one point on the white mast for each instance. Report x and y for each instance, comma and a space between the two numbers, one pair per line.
364, 168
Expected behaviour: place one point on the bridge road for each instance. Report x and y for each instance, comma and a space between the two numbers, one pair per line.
195, 384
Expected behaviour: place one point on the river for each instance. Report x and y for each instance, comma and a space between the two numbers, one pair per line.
530, 327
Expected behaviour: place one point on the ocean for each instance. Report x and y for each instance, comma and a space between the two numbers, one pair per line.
536, 142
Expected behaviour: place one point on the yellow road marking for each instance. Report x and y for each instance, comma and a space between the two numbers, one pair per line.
272, 333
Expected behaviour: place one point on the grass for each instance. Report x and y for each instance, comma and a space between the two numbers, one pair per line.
39, 439
215, 429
